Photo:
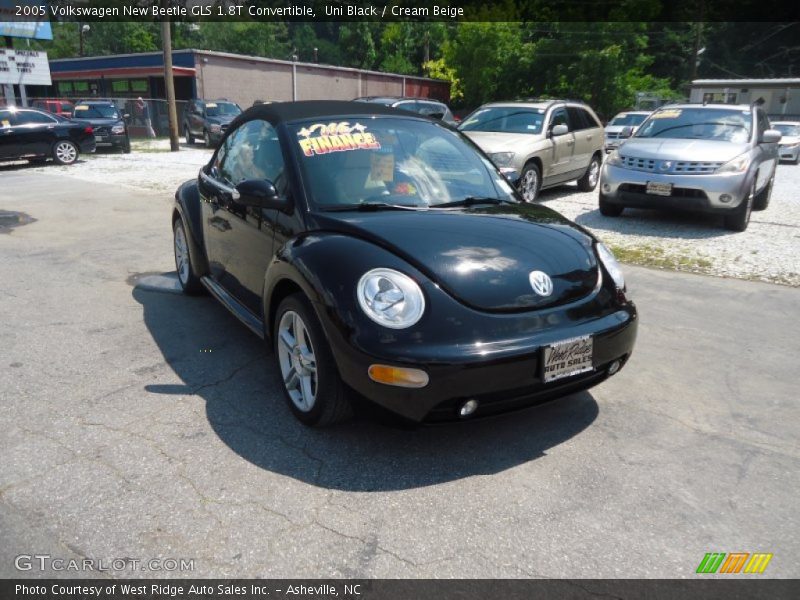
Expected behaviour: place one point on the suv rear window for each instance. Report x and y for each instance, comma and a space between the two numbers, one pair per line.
725, 125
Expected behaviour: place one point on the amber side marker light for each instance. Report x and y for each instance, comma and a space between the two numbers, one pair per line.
399, 376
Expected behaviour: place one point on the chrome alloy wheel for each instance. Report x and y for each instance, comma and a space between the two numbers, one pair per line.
66, 152
530, 182
297, 361
181, 254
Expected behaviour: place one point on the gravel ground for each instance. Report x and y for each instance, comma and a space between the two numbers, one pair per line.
767, 251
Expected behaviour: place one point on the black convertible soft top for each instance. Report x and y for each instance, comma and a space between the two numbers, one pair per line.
308, 109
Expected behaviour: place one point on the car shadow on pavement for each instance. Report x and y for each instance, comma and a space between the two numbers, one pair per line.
21, 165
220, 362
657, 224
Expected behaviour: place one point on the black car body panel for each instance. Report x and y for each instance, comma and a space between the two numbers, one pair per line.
482, 333
28, 133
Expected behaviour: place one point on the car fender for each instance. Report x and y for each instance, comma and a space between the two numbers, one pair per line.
187, 205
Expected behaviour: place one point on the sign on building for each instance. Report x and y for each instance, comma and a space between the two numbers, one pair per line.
24, 67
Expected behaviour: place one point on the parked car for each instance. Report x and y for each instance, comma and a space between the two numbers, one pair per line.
789, 146
541, 143
35, 135
424, 106
707, 158
619, 123
380, 252
62, 108
109, 125
208, 120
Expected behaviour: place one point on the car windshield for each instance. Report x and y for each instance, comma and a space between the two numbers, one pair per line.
96, 111
217, 109
627, 119
726, 125
505, 119
391, 162
788, 129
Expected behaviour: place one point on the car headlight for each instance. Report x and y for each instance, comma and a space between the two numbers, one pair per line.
502, 159
118, 129
612, 266
737, 165
215, 128
390, 298
614, 159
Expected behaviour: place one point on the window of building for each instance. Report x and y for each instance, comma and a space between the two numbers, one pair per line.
120, 85
139, 85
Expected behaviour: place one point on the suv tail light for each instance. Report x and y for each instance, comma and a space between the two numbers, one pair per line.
88, 130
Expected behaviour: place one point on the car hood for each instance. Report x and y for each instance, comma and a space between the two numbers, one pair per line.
490, 141
673, 149
99, 122
483, 256
222, 120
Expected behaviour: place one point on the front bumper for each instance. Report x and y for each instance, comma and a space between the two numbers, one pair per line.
789, 153
88, 146
502, 374
112, 141
701, 193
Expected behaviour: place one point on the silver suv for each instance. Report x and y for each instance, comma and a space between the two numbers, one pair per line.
543, 143
706, 158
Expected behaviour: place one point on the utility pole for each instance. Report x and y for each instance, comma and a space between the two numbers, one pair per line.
696, 53
169, 83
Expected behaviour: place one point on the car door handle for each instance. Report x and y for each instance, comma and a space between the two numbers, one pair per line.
571, 143
589, 137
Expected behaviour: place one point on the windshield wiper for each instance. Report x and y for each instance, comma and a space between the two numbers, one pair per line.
371, 206
473, 201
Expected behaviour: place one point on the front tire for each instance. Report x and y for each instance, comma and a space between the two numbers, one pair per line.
588, 182
187, 277
607, 209
65, 152
308, 374
206, 139
188, 135
126, 147
530, 182
740, 219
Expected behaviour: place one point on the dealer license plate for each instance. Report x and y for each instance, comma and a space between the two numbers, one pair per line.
567, 358
659, 189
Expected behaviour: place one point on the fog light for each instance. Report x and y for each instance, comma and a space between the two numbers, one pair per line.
725, 198
399, 376
606, 188
614, 367
469, 407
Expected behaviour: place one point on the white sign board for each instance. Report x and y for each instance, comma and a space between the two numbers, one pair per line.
24, 67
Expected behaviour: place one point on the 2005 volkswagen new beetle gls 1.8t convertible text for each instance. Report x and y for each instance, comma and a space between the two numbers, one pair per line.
385, 257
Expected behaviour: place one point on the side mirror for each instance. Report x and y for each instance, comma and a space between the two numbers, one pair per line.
512, 176
560, 129
260, 193
626, 132
770, 136
126, 116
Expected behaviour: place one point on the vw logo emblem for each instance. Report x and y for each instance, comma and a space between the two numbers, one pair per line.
541, 283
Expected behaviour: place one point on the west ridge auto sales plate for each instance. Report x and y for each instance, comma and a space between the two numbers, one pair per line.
567, 358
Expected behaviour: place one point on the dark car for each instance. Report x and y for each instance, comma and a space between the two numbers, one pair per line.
382, 253
424, 106
208, 120
110, 127
35, 135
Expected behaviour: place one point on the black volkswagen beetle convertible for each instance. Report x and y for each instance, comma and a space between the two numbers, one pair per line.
382, 253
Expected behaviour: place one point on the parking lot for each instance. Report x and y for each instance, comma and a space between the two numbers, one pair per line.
140, 423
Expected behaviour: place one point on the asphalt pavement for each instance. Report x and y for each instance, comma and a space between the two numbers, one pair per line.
141, 424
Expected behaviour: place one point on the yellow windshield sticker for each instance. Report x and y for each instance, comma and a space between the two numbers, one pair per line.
82, 107
6, 123
381, 167
211, 105
667, 114
324, 138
